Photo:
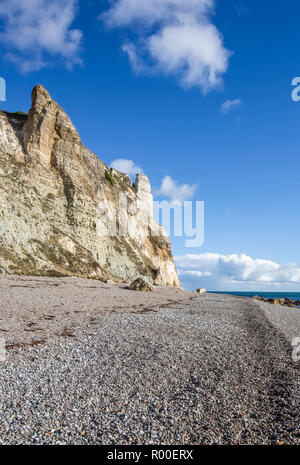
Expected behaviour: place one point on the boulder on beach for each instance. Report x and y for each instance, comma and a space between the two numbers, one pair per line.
201, 291
141, 284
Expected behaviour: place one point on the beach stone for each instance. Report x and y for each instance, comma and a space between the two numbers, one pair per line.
201, 291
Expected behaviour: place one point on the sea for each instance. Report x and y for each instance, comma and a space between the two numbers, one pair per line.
267, 295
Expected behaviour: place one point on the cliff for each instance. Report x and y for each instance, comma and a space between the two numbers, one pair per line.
58, 202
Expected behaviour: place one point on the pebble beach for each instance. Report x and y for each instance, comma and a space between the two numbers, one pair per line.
93, 363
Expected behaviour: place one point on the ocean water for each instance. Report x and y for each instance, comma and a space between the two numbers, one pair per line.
268, 295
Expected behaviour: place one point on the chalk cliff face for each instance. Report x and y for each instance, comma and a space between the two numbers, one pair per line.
63, 212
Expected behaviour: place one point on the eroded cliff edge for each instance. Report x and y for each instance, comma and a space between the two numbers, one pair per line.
51, 187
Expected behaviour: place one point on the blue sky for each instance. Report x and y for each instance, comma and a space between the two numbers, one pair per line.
146, 80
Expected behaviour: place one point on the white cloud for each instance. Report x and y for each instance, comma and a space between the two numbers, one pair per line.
229, 105
195, 274
174, 191
227, 271
37, 31
126, 166
174, 37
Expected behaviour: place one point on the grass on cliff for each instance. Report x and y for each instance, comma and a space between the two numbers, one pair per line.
19, 113
109, 178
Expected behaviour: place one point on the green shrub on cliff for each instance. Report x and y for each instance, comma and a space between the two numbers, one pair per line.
109, 178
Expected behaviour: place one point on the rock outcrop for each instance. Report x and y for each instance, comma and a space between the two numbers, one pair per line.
64, 212
284, 301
